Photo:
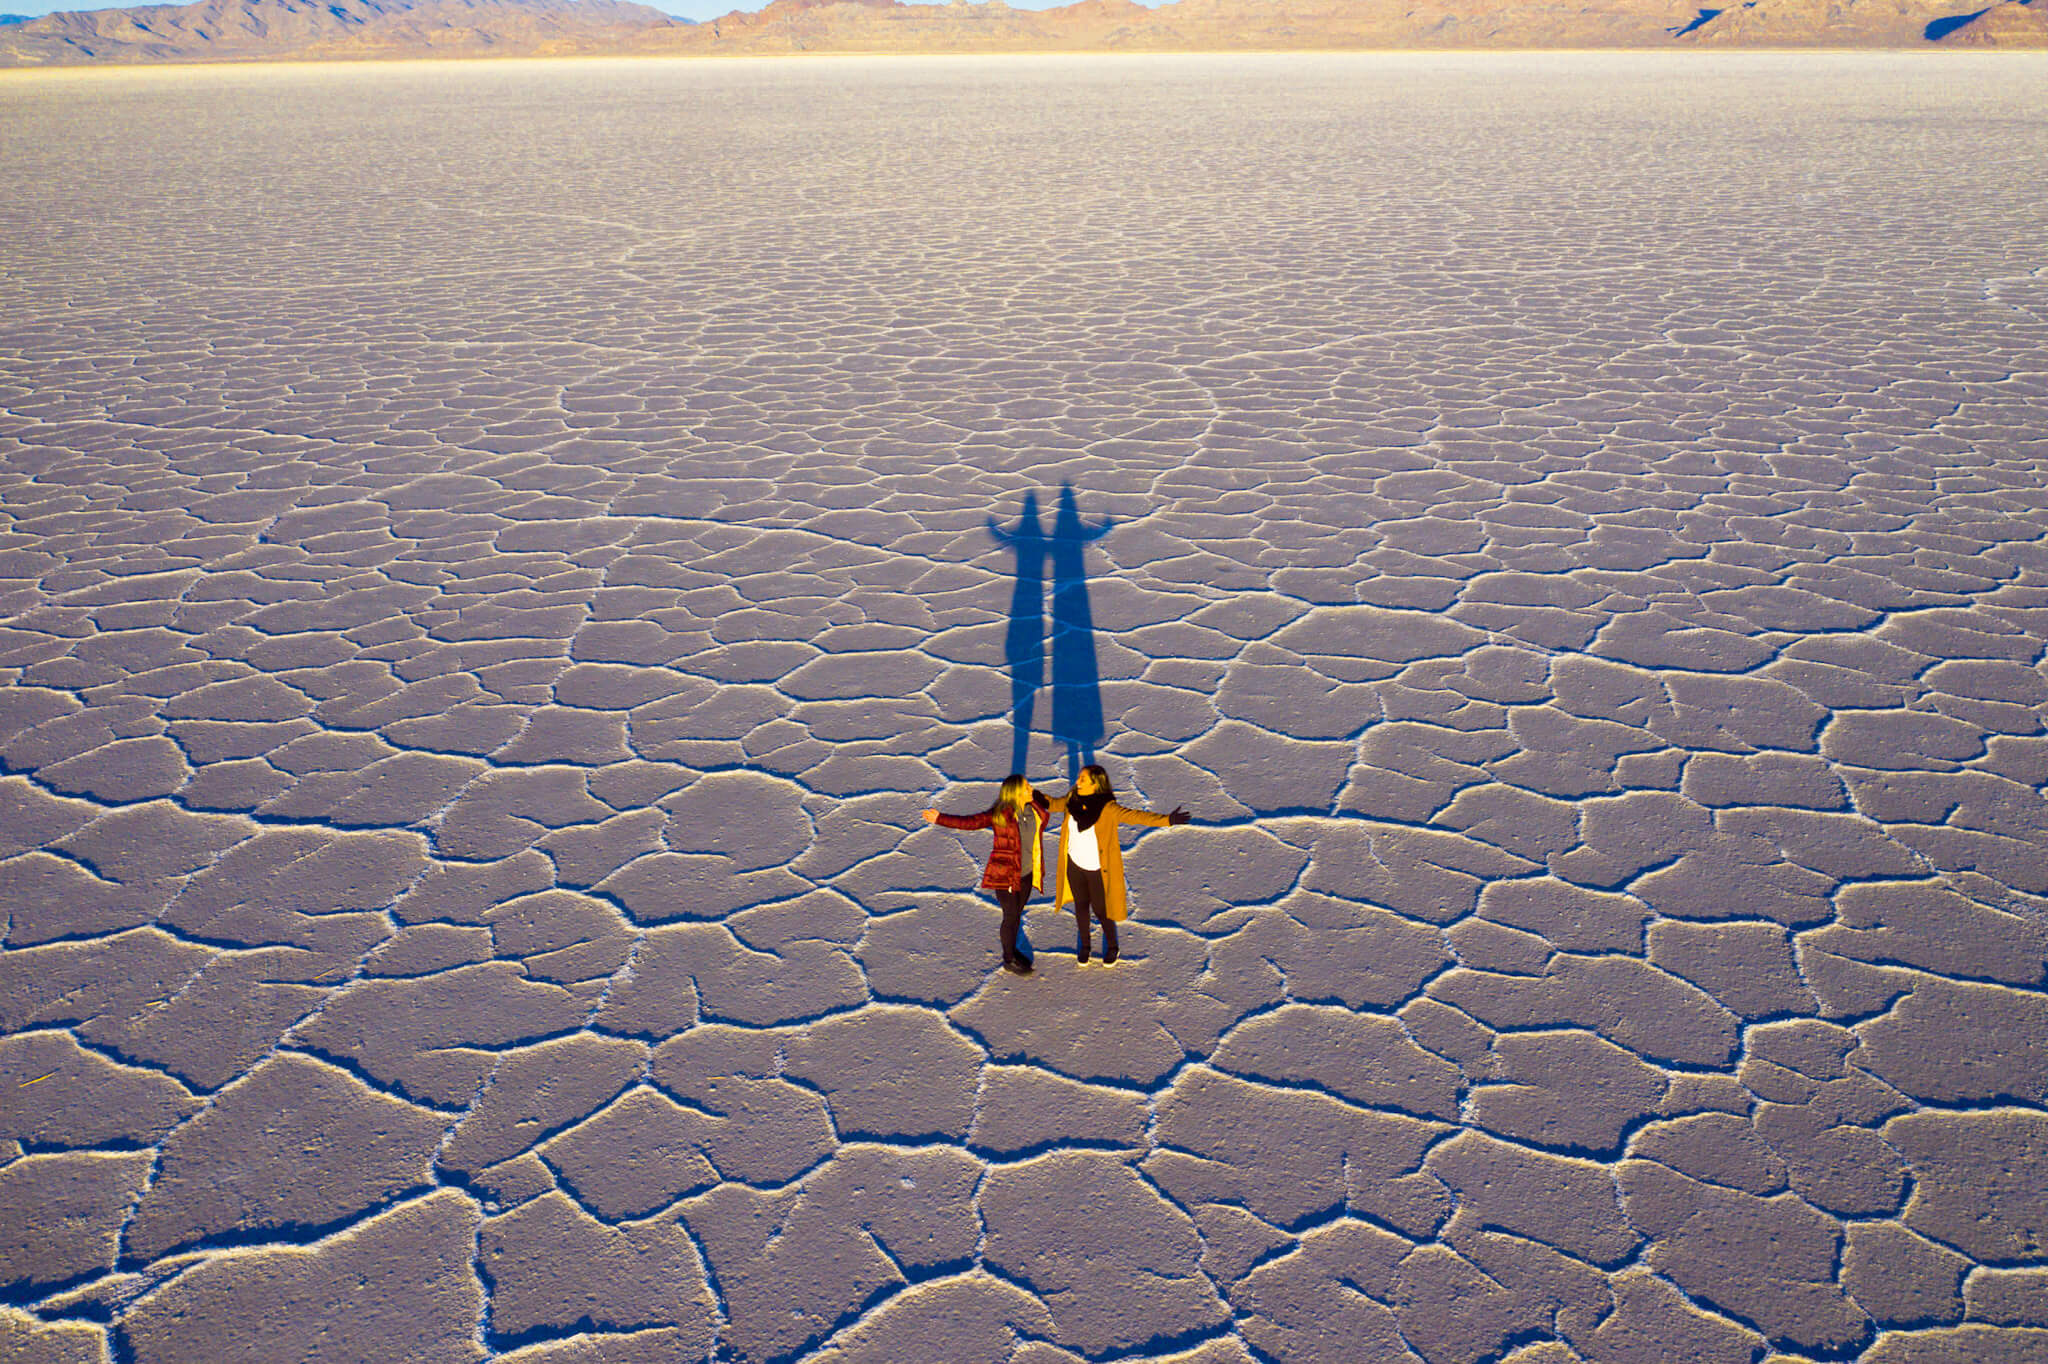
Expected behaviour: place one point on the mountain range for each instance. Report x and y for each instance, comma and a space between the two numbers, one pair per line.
257, 30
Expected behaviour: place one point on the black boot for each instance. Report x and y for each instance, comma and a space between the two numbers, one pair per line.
1015, 960
1108, 942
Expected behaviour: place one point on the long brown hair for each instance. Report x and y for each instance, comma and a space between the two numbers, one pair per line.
1014, 797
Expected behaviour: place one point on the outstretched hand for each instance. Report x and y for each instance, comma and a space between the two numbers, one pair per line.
1177, 816
931, 816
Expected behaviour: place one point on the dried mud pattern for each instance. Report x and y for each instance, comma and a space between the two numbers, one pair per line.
492, 570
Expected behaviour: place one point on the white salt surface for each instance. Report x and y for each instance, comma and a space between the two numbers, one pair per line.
497, 557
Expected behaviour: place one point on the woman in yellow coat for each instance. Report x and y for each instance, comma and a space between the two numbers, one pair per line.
1091, 858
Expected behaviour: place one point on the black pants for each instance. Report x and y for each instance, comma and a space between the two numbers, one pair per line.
1089, 898
1012, 902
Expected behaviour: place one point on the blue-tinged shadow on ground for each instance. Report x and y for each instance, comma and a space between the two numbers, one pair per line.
1024, 642
1076, 683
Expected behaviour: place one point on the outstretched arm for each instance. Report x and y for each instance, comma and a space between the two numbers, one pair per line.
1129, 816
1019, 539
974, 821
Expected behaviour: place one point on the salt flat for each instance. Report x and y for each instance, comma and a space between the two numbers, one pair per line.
497, 557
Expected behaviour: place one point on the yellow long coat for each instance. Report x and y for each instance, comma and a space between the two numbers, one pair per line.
1108, 821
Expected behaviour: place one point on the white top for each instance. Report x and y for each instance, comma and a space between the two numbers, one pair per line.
1084, 849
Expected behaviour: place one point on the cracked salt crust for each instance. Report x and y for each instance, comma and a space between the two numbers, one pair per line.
480, 620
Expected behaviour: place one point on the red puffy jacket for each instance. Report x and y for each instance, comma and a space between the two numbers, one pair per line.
1006, 868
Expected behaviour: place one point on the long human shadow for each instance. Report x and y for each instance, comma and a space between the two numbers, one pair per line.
1024, 641
1076, 682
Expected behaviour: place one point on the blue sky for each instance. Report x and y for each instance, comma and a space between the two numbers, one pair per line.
688, 9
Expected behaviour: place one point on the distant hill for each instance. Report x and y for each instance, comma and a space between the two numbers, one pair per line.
257, 30
2015, 23
1267, 25
6, 19
1188, 25
1873, 23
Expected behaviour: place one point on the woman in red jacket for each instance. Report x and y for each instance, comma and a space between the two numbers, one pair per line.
1017, 819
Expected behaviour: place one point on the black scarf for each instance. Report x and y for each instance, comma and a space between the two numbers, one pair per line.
1085, 810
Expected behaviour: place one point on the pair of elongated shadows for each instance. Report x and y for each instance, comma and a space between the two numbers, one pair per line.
1069, 643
